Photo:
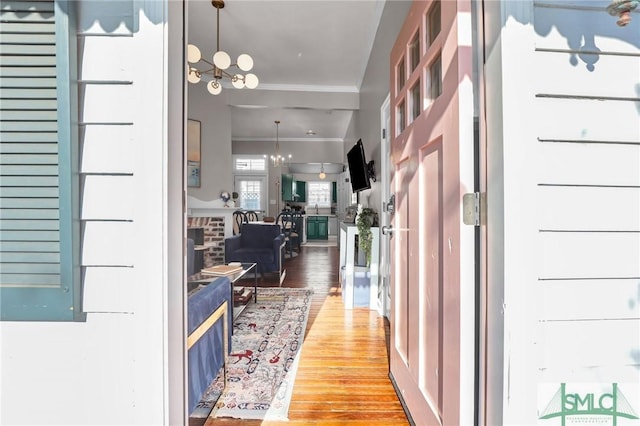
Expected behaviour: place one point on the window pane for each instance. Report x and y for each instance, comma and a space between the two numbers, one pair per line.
401, 75
250, 193
318, 193
433, 23
435, 78
400, 118
416, 104
249, 164
414, 50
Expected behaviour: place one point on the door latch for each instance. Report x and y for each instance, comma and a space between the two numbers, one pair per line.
391, 205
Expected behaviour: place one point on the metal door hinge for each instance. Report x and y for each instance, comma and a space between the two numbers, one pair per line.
474, 208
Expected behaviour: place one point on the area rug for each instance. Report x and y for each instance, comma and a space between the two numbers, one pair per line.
266, 342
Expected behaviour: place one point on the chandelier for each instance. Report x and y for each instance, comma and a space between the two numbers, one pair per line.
221, 63
277, 159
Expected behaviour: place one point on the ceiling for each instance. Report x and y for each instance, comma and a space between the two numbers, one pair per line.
309, 55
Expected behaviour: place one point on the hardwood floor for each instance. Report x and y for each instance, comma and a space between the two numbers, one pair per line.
343, 372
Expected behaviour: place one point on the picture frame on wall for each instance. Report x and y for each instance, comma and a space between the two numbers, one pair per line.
193, 153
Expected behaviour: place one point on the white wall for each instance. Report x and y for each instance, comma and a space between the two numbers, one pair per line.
564, 153
216, 165
113, 368
373, 92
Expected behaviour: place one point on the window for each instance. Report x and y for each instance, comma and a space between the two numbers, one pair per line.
414, 51
416, 104
249, 164
402, 75
250, 181
433, 23
435, 78
400, 117
318, 193
39, 235
250, 194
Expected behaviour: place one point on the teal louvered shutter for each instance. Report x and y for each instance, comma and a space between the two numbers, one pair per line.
39, 255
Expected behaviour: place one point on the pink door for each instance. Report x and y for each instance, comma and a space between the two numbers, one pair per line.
428, 68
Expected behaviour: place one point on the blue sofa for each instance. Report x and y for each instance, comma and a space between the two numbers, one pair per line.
262, 244
206, 339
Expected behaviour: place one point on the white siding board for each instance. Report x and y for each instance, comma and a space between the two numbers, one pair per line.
589, 299
588, 164
108, 244
589, 208
107, 149
106, 58
557, 75
107, 103
627, 376
557, 28
589, 255
570, 119
107, 198
570, 345
108, 289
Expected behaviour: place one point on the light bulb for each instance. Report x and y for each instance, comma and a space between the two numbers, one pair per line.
193, 54
250, 81
194, 76
238, 81
214, 87
322, 175
245, 62
222, 60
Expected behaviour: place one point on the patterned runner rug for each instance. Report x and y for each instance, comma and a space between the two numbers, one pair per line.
266, 342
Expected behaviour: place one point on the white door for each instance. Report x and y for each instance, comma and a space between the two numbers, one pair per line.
384, 289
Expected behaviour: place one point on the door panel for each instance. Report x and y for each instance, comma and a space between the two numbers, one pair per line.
431, 297
427, 78
399, 270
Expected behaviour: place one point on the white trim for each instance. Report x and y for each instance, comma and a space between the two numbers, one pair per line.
384, 303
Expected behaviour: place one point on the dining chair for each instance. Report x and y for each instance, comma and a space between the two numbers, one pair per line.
291, 234
239, 218
252, 216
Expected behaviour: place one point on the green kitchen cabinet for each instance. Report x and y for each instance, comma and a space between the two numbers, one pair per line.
301, 191
317, 228
288, 187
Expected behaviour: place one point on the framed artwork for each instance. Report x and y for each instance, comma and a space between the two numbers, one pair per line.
193, 153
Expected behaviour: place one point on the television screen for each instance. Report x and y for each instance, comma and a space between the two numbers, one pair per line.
358, 168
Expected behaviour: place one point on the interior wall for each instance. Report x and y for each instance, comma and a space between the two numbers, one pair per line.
375, 87
215, 145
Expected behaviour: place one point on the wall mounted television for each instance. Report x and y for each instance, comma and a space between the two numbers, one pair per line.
358, 170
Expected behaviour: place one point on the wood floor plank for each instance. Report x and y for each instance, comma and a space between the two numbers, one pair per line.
343, 372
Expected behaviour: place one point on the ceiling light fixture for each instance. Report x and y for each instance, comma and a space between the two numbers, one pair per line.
277, 159
221, 62
322, 174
